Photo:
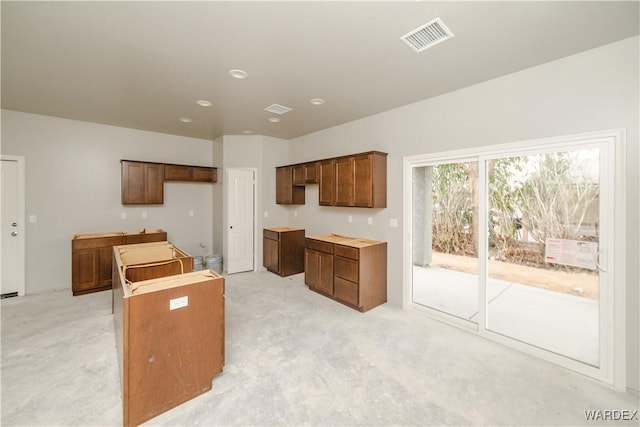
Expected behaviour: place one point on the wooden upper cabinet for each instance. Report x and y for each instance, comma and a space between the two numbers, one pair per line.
327, 191
177, 173
357, 180
189, 173
204, 174
286, 192
306, 173
142, 183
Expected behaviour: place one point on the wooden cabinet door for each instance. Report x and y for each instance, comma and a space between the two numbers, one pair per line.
203, 174
311, 173
326, 193
298, 175
362, 182
105, 261
318, 270
154, 183
325, 279
177, 173
271, 259
344, 181
132, 182
311, 268
142, 183
86, 269
284, 182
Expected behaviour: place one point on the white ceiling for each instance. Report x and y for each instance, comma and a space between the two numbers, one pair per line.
144, 64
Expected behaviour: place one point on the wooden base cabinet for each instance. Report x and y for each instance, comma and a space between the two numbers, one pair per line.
92, 256
283, 250
169, 334
350, 270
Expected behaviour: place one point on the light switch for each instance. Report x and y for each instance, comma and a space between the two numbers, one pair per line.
144, 214
33, 219
123, 215
350, 218
295, 214
190, 213
266, 214
370, 220
393, 222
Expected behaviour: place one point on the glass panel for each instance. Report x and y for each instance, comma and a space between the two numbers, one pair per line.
543, 284
445, 228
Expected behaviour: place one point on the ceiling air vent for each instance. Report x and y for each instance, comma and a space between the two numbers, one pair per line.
428, 35
277, 109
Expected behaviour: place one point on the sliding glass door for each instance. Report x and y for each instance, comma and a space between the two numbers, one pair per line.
515, 244
543, 248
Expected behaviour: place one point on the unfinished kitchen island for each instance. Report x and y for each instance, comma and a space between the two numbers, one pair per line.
169, 325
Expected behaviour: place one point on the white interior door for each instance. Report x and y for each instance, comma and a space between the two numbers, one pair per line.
12, 237
240, 220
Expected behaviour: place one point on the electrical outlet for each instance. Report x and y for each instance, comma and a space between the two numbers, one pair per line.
370, 220
266, 214
144, 214
190, 213
295, 214
123, 215
350, 218
393, 222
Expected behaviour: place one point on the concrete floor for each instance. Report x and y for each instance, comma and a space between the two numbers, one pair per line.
293, 358
561, 323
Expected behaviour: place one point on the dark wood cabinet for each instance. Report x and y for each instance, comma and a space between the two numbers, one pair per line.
327, 180
306, 173
357, 180
283, 250
189, 173
286, 192
92, 254
318, 270
142, 183
361, 180
350, 270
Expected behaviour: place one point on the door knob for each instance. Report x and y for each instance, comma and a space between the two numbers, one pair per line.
14, 224
14, 233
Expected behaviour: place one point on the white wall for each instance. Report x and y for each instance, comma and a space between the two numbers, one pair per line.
591, 91
73, 186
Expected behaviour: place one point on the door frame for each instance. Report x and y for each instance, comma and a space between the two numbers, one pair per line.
612, 369
256, 218
22, 218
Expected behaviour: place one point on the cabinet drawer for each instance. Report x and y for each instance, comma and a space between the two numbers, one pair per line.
268, 234
347, 252
346, 291
319, 245
346, 269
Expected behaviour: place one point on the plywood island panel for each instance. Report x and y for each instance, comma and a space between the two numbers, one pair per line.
169, 330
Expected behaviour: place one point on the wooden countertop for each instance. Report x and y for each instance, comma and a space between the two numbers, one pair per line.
283, 229
354, 242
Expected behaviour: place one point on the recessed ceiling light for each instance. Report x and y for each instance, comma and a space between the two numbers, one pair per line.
247, 132
317, 101
238, 74
203, 103
273, 119
185, 119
